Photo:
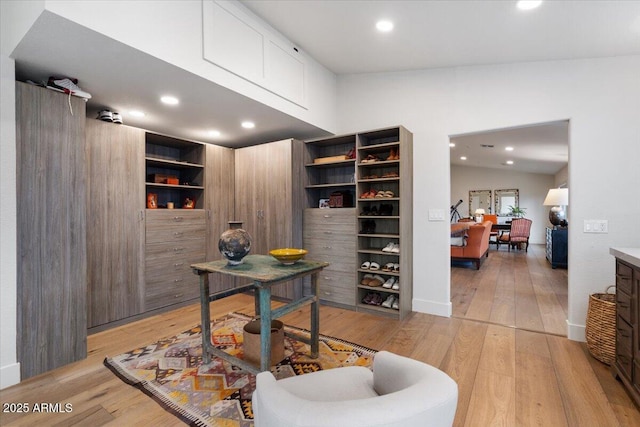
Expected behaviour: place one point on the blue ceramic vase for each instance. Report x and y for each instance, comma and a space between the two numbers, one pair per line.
235, 243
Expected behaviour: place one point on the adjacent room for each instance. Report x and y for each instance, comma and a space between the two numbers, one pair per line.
319, 213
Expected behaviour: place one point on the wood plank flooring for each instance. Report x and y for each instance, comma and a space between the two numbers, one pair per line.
506, 376
517, 289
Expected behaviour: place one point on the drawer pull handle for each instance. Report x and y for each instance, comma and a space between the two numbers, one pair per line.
327, 247
327, 278
177, 280
178, 295
327, 216
178, 233
178, 249
178, 264
178, 218
327, 293
623, 304
328, 232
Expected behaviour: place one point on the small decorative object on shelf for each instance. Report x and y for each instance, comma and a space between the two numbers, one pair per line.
189, 203
152, 201
235, 243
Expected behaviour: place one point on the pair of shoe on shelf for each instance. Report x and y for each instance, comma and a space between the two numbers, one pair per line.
109, 116
392, 174
371, 159
368, 227
67, 85
351, 154
391, 267
370, 265
392, 301
392, 248
373, 298
394, 153
376, 281
384, 210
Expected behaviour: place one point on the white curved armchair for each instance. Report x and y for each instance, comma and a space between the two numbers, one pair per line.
399, 392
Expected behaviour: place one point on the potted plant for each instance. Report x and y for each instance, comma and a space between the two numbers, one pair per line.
517, 211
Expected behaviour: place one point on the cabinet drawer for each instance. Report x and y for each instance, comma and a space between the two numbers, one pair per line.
337, 287
168, 217
175, 249
623, 277
319, 217
623, 306
175, 233
624, 336
161, 292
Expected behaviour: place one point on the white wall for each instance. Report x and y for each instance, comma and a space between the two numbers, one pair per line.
9, 368
601, 98
171, 30
532, 188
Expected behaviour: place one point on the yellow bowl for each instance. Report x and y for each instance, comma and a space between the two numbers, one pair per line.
288, 256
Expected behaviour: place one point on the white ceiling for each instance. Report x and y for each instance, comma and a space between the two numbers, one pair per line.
341, 36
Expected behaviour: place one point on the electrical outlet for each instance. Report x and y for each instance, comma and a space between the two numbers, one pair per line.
596, 226
436, 214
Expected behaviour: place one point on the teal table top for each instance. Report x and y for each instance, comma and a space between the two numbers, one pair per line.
261, 268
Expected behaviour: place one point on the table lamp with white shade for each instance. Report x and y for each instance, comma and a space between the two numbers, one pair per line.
478, 213
558, 198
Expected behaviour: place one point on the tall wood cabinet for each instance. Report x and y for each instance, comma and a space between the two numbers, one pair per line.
51, 242
115, 237
268, 199
219, 204
379, 178
627, 361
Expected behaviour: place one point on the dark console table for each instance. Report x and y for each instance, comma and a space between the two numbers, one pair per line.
556, 249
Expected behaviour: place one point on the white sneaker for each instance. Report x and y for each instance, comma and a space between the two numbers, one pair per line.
389, 301
388, 248
396, 285
389, 283
105, 115
67, 85
117, 118
396, 304
396, 248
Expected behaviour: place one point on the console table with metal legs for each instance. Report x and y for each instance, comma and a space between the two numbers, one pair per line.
264, 272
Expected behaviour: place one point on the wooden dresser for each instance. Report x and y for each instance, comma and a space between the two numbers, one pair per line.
627, 362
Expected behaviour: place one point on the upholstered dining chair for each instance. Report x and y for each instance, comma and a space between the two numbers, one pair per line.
519, 233
399, 392
493, 236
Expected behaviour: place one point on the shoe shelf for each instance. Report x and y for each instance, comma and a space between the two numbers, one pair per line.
380, 171
330, 167
174, 171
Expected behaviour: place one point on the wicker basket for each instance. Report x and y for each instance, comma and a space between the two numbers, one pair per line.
601, 326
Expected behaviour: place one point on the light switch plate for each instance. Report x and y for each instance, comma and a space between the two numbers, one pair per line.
436, 214
596, 226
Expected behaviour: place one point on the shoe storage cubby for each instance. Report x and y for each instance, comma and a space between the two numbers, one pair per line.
174, 171
330, 168
375, 167
384, 220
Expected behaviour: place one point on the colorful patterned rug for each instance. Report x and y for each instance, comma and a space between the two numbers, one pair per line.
219, 394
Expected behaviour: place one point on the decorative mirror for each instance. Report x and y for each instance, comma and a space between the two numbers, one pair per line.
479, 199
504, 199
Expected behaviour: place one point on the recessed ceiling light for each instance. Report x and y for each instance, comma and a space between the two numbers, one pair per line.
384, 26
509, 162
248, 125
136, 113
463, 158
508, 148
528, 4
452, 144
487, 145
170, 100
214, 133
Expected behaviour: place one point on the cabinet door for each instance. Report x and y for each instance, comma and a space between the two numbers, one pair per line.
51, 229
264, 197
219, 185
115, 238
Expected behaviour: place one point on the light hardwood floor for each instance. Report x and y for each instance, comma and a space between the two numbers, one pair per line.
506, 376
517, 289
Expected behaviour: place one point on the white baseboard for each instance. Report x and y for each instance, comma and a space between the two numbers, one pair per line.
9, 375
576, 332
432, 307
